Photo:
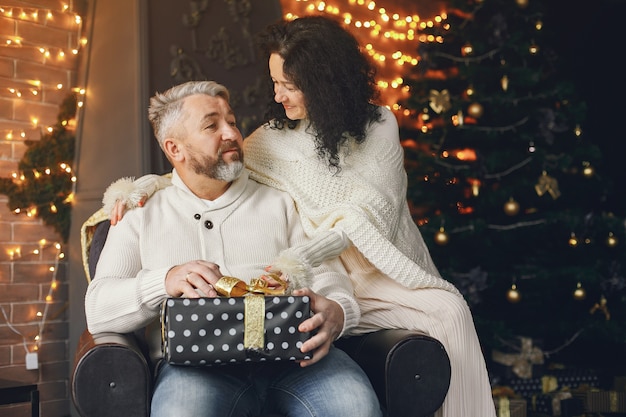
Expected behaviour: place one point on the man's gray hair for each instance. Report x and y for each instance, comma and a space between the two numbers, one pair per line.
165, 108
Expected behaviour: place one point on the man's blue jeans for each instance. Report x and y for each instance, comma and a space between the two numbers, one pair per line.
334, 387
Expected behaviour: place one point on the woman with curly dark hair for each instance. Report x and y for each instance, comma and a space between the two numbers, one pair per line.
338, 155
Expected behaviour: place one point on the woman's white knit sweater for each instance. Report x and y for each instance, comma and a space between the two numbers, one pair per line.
366, 200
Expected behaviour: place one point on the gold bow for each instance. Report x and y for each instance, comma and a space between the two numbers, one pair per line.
521, 363
234, 287
549, 184
440, 101
254, 304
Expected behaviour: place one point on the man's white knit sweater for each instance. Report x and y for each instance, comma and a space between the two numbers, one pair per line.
242, 231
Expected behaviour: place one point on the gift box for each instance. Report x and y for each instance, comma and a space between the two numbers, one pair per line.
560, 403
510, 407
554, 380
597, 401
251, 328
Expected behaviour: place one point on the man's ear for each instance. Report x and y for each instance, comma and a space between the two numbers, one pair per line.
173, 149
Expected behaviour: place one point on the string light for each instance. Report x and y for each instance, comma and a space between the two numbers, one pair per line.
24, 89
33, 343
396, 33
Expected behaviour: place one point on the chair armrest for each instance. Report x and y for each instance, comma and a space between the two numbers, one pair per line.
111, 377
409, 370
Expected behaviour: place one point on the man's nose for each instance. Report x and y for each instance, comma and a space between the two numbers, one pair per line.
230, 132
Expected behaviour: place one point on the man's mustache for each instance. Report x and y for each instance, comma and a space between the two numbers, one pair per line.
229, 146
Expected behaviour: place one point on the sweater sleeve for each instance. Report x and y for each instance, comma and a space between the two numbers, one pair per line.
297, 261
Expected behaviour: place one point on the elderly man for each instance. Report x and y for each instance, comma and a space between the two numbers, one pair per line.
214, 221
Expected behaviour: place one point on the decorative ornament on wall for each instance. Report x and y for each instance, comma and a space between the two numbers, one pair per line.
184, 67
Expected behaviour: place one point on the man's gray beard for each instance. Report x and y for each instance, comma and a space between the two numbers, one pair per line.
217, 169
228, 171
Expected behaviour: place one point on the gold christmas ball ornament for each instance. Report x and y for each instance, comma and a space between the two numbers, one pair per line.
522, 3
475, 110
579, 292
504, 82
611, 240
513, 295
511, 207
573, 240
578, 131
441, 237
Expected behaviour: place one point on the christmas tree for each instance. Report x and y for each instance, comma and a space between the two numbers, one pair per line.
508, 187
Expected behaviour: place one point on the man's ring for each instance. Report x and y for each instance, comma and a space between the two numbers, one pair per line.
187, 276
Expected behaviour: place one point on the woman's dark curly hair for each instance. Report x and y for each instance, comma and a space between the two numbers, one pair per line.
325, 62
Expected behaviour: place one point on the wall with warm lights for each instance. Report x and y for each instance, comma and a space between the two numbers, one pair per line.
40, 48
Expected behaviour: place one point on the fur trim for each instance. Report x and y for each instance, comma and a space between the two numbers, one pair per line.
296, 270
123, 190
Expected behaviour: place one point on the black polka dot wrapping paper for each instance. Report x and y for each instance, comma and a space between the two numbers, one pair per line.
229, 330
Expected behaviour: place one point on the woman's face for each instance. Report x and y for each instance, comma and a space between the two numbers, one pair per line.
285, 92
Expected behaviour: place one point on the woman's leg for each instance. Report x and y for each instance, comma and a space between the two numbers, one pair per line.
443, 315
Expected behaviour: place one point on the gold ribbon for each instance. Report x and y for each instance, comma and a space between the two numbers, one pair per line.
549, 384
254, 304
254, 315
504, 407
521, 364
556, 401
613, 399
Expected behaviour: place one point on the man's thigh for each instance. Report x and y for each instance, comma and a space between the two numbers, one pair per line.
335, 386
218, 391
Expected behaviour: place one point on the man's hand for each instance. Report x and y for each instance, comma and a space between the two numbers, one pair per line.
327, 320
193, 279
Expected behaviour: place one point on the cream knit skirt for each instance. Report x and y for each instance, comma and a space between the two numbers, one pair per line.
445, 316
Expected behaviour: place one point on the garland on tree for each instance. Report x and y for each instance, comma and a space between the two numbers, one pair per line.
43, 188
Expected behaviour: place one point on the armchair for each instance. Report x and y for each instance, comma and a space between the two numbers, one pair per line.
112, 376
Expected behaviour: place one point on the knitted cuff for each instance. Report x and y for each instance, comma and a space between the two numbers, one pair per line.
323, 246
297, 262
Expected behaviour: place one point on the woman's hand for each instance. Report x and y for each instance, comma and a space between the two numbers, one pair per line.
119, 209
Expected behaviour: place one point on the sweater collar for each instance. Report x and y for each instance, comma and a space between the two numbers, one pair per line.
231, 195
